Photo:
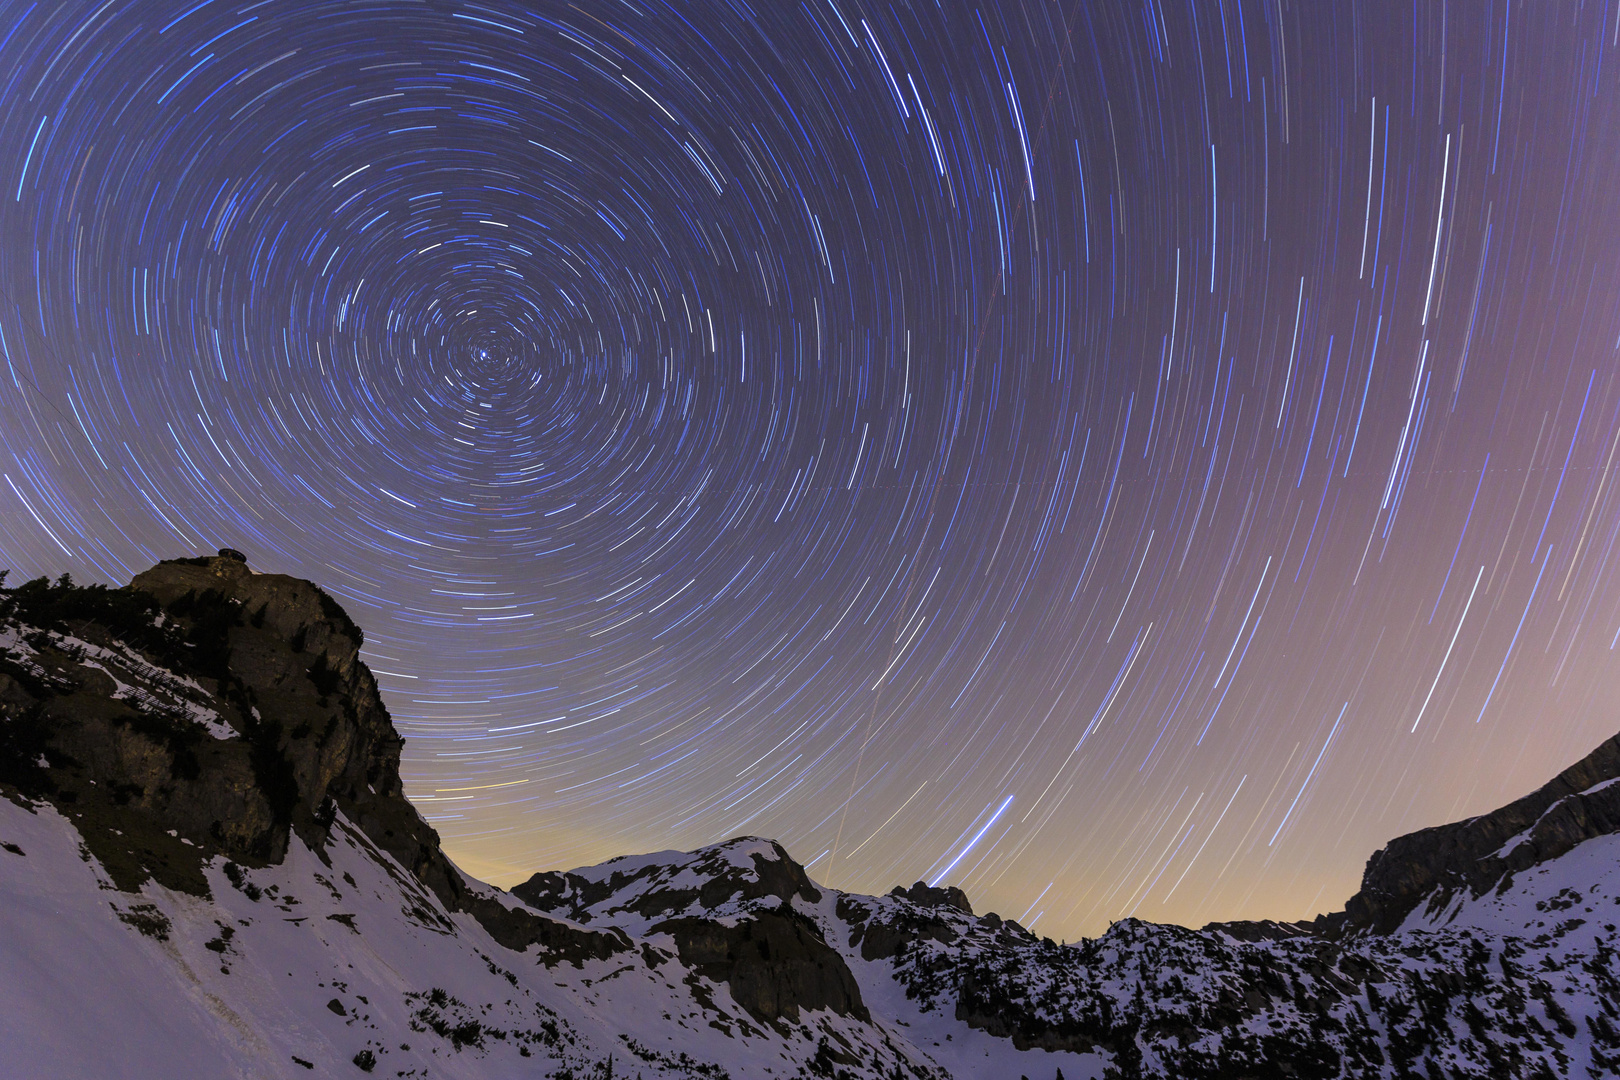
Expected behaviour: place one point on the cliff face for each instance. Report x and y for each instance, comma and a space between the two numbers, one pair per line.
1432, 867
292, 681
205, 710
225, 705
126, 706
290, 678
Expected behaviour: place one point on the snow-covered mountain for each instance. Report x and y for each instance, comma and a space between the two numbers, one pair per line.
207, 868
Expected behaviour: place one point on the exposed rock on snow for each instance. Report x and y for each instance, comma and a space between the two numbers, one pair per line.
1474, 856
271, 657
208, 867
729, 909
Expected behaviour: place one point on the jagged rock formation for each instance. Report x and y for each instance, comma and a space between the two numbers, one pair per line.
925, 895
775, 963
198, 775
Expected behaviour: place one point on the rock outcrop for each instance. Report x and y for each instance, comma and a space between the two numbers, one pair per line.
775, 964
205, 710
736, 872
925, 895
885, 930
730, 910
1431, 867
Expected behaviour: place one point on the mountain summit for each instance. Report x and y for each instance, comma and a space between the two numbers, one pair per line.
208, 867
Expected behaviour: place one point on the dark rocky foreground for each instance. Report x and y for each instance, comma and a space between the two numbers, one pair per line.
101, 720
217, 746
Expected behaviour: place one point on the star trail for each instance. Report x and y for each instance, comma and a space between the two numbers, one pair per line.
1122, 458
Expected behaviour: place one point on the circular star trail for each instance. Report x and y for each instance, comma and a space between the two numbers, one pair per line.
1122, 458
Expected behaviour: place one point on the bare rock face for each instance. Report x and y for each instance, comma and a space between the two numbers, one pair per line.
1432, 866
925, 895
293, 681
775, 964
209, 710
729, 908
883, 931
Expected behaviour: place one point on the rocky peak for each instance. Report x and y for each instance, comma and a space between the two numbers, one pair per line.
1431, 867
729, 909
925, 895
289, 675
744, 873
907, 918
206, 709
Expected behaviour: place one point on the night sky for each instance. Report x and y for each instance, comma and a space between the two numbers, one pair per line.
1120, 458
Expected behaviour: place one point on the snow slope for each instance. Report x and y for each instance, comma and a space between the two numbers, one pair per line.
334, 954
324, 960
209, 869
